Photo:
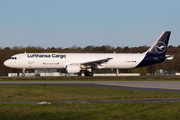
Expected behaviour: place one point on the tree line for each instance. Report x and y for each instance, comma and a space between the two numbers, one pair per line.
169, 67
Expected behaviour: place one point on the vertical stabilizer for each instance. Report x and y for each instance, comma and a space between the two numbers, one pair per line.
156, 53
160, 46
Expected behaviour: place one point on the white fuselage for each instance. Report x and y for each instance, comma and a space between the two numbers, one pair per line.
60, 60
75, 62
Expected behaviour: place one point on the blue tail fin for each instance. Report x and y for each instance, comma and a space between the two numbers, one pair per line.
157, 52
160, 46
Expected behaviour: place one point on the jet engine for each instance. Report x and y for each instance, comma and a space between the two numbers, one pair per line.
71, 69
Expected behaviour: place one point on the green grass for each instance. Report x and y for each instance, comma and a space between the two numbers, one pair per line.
82, 111
154, 78
92, 111
27, 93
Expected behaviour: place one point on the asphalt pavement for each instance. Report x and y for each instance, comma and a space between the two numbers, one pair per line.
159, 86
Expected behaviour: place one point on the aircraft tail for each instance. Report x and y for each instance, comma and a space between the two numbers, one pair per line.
157, 52
160, 46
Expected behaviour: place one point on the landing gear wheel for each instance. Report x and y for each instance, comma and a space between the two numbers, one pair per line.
23, 74
91, 74
87, 73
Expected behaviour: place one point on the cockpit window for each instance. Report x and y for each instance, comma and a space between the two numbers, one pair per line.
13, 58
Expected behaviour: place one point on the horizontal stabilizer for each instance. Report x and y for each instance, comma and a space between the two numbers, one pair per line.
169, 57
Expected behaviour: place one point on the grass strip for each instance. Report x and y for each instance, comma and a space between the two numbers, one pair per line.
89, 111
141, 78
30, 93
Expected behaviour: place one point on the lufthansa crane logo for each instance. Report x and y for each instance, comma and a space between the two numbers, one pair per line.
160, 47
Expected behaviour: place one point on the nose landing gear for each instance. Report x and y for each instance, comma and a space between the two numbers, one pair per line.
23, 72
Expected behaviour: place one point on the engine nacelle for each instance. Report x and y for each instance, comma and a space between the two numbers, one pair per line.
71, 69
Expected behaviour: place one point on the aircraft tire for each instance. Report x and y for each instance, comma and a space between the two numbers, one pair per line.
91, 74
23, 75
87, 73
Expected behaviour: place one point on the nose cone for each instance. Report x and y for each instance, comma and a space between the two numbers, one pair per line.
7, 63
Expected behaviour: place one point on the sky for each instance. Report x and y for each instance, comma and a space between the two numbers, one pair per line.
81, 23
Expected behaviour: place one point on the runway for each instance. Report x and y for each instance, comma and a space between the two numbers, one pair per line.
159, 86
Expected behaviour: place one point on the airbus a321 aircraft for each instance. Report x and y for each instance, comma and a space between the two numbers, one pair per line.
76, 62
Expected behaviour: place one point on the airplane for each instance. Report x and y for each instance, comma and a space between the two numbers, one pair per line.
76, 62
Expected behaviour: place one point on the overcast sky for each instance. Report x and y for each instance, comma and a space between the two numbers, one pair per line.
67, 23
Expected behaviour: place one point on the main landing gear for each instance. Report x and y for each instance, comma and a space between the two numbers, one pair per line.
87, 73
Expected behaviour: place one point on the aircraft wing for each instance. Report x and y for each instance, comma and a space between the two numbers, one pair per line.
96, 62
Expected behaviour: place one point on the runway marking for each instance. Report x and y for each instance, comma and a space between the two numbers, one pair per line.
138, 86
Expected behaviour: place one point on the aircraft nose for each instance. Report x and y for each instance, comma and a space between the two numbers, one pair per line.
7, 63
